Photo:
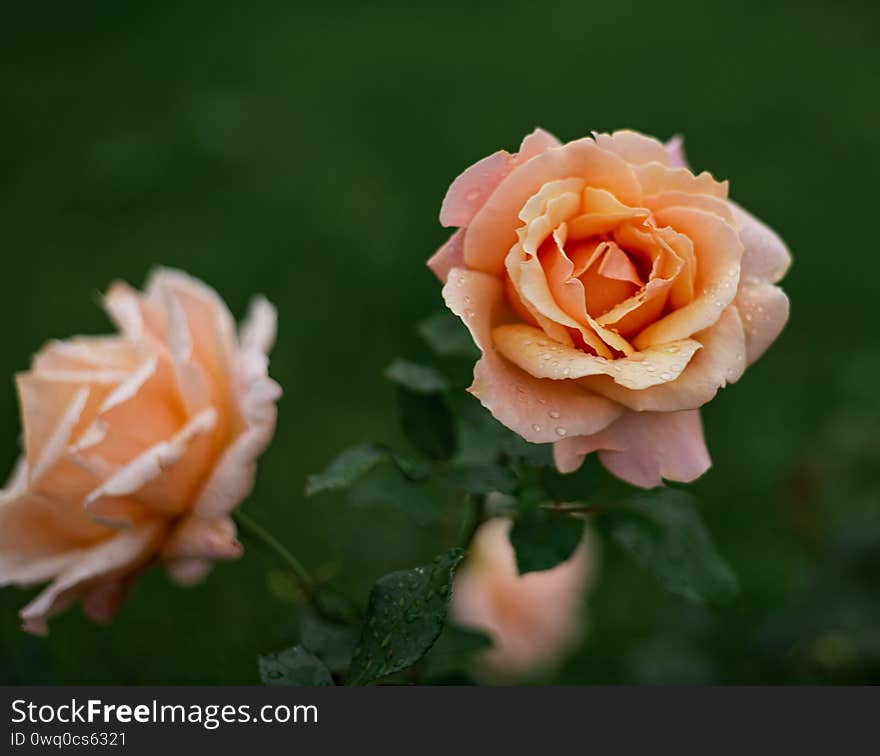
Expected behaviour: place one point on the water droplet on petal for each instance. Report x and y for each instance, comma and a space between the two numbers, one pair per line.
554, 414
536, 428
560, 431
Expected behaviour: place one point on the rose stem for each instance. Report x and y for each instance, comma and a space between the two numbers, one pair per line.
304, 580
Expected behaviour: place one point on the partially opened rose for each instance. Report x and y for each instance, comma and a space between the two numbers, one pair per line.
532, 619
612, 292
137, 447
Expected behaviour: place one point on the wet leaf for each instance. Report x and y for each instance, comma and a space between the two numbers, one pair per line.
294, 666
417, 378
664, 533
405, 614
355, 462
427, 422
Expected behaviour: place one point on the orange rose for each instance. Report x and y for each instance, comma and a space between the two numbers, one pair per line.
137, 447
612, 292
533, 619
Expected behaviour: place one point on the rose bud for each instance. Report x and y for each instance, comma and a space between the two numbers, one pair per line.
534, 619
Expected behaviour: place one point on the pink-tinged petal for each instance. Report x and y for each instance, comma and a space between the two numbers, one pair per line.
721, 361
469, 192
492, 231
542, 357
115, 556
539, 410
633, 147
675, 150
764, 310
449, 256
189, 572
102, 603
766, 257
195, 538
260, 326
534, 144
533, 619
643, 448
719, 251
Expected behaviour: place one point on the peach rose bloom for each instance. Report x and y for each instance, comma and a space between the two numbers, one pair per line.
136, 447
533, 619
612, 292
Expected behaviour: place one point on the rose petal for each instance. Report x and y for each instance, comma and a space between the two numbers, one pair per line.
643, 448
492, 232
718, 248
189, 572
147, 476
766, 257
538, 410
469, 192
260, 326
449, 256
633, 147
232, 478
542, 357
534, 144
719, 362
195, 538
675, 150
121, 553
764, 309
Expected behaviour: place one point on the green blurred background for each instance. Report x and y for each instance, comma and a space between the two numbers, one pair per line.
302, 151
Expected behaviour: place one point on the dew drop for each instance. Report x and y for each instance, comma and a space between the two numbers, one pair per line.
665, 376
560, 431
545, 356
468, 313
536, 428
554, 414
472, 195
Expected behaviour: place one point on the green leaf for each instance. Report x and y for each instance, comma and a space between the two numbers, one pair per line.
346, 468
543, 538
454, 651
427, 422
482, 479
357, 461
405, 614
333, 644
664, 533
448, 336
294, 666
417, 378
